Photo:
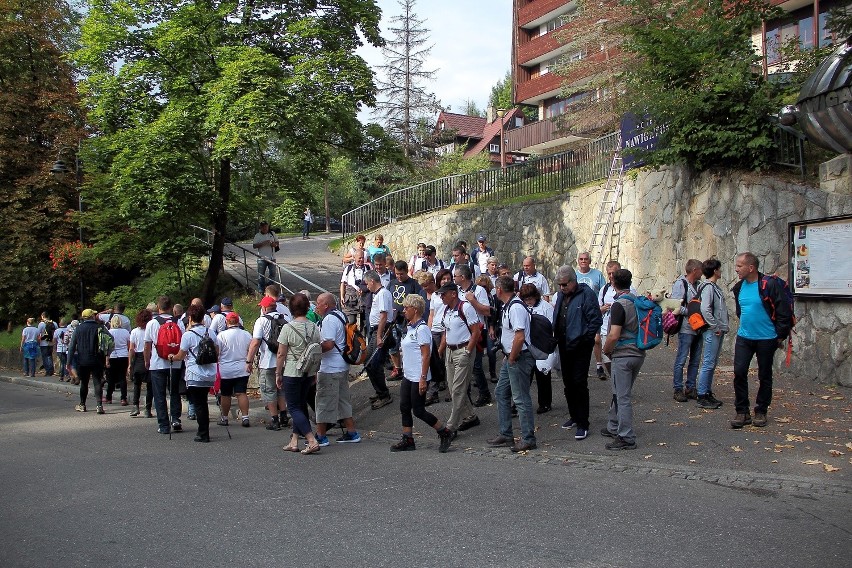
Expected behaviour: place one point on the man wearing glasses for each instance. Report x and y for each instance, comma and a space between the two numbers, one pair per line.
578, 321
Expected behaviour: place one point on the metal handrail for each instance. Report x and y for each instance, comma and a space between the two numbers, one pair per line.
208, 240
556, 172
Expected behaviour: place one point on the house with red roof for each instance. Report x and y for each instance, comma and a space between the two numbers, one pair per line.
475, 133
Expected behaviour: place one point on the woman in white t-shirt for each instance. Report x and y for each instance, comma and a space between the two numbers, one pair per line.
541, 371
199, 378
416, 349
234, 345
29, 347
136, 364
118, 360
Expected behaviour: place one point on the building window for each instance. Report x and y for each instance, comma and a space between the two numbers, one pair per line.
494, 148
797, 25
558, 21
560, 106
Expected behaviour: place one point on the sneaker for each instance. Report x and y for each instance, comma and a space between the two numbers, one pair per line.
274, 424
349, 438
323, 441
620, 443
740, 421
691, 394
581, 434
759, 419
679, 395
80, 408
469, 423
446, 437
246, 422
384, 401
163, 430
135, 412
101, 410
374, 398
404, 445
714, 400
704, 401
607, 433
482, 401
223, 421
147, 414
177, 426
601, 374
569, 424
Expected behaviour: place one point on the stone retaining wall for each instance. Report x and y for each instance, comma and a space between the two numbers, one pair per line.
666, 216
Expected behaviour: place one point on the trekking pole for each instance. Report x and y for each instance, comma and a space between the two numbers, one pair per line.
375, 352
169, 390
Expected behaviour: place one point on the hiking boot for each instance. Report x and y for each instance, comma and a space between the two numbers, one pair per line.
446, 437
759, 419
80, 408
601, 374
501, 441
607, 433
223, 421
383, 401
404, 445
482, 401
274, 424
713, 399
469, 423
740, 421
691, 394
704, 401
101, 410
374, 398
620, 443
135, 412
679, 395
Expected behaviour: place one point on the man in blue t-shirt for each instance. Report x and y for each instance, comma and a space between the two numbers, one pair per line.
765, 322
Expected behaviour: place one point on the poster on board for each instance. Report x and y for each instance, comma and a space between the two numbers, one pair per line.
821, 257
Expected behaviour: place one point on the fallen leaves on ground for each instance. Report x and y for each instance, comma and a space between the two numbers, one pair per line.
649, 456
849, 445
662, 443
784, 420
650, 421
678, 424
694, 443
736, 448
830, 468
829, 420
792, 438
812, 462
835, 453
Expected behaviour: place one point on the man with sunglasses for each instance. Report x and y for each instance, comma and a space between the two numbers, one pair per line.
430, 263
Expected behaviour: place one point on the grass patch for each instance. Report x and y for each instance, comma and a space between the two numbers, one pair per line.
335, 245
11, 340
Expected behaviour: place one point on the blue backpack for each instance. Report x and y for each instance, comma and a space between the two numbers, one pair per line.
650, 318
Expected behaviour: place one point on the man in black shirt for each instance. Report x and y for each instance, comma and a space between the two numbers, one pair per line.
400, 287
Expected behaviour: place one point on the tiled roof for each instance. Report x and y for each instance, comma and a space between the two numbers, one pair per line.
464, 125
491, 131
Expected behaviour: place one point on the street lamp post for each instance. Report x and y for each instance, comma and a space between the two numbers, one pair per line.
61, 168
501, 112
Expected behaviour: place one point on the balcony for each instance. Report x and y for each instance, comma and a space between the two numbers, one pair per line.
536, 9
542, 45
539, 88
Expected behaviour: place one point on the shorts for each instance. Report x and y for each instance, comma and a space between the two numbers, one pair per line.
230, 387
333, 401
604, 358
398, 331
269, 391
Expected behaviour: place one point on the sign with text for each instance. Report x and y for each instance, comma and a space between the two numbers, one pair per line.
640, 133
821, 257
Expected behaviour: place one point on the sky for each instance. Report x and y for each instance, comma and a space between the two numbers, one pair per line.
472, 47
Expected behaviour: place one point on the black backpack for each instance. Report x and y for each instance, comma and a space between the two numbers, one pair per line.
542, 342
276, 323
49, 328
206, 350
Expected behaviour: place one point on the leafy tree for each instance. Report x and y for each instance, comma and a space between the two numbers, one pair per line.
471, 109
693, 73
405, 102
840, 21
196, 100
41, 121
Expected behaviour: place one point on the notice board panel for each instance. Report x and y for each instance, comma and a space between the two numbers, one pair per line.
821, 257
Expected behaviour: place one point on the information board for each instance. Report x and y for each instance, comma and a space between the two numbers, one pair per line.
821, 257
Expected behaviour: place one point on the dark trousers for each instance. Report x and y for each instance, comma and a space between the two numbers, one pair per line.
63, 362
296, 391
575, 378
543, 386
117, 376
160, 383
96, 373
744, 351
47, 359
436, 366
479, 375
198, 397
411, 401
376, 367
141, 375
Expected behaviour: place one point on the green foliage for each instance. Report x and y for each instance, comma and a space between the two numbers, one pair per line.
455, 163
840, 21
694, 72
287, 215
501, 97
148, 288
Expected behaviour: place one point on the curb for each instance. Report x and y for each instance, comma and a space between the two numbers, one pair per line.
29, 382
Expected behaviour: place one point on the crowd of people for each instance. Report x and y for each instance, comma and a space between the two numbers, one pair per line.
431, 326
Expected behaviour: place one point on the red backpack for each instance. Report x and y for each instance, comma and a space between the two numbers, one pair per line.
168, 337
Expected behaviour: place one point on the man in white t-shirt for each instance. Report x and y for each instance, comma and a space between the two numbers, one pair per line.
164, 375
266, 244
529, 275
105, 317
513, 385
234, 345
477, 297
218, 323
270, 394
333, 402
458, 345
352, 288
380, 325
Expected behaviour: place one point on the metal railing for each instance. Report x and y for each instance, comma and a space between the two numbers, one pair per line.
236, 253
557, 172
789, 148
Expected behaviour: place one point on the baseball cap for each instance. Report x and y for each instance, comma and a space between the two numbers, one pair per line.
233, 318
266, 302
88, 312
448, 288
226, 301
481, 239
215, 310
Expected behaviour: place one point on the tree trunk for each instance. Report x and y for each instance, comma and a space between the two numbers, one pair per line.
220, 223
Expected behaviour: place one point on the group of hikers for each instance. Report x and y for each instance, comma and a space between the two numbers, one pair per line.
431, 326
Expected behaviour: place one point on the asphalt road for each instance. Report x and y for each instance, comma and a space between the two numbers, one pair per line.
89, 490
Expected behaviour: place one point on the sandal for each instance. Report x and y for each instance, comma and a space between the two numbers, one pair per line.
311, 449
291, 449
293, 446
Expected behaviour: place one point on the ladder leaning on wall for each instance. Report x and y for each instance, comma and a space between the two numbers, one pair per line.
606, 211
